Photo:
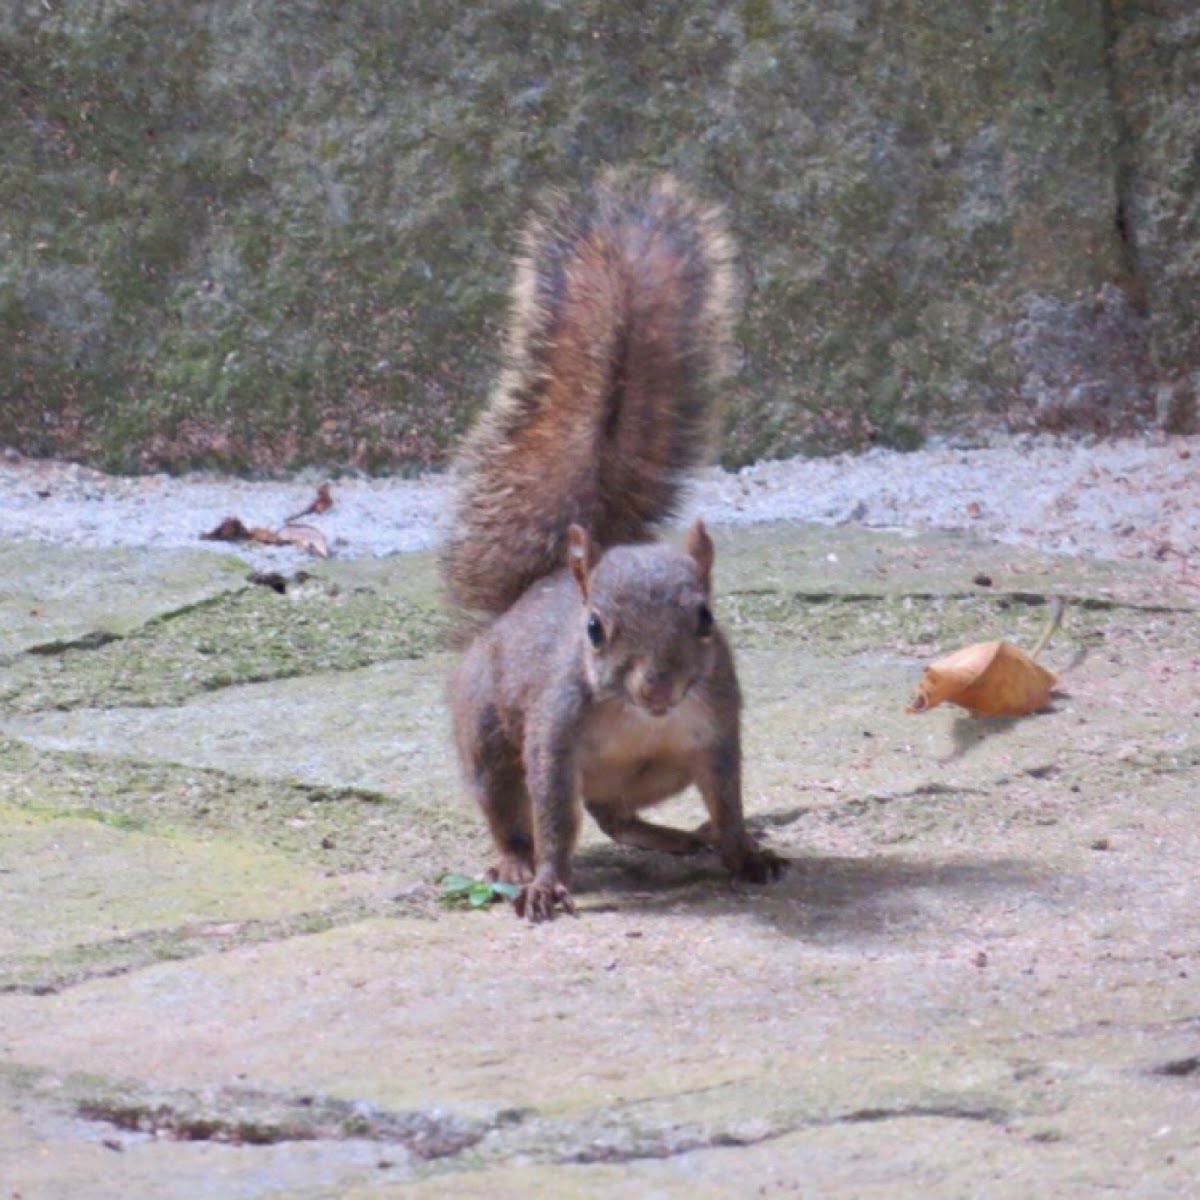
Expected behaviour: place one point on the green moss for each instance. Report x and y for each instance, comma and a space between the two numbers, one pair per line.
334, 829
240, 637
758, 19
68, 966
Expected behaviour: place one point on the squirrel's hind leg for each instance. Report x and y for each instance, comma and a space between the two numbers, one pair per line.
630, 830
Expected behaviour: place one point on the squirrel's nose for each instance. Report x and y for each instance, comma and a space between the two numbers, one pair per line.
656, 694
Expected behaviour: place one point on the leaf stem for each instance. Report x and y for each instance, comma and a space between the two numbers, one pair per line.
1053, 621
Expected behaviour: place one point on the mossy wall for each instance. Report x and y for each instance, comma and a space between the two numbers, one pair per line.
261, 235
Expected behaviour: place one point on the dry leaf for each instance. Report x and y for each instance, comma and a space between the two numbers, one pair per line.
323, 503
992, 679
229, 530
304, 536
267, 537
233, 530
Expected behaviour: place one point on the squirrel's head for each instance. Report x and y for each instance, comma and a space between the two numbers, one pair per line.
648, 628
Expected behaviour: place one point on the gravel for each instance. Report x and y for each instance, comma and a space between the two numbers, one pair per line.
1136, 498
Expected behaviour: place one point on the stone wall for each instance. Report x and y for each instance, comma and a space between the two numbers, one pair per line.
257, 235
1156, 93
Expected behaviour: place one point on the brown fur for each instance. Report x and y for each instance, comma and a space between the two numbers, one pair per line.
604, 680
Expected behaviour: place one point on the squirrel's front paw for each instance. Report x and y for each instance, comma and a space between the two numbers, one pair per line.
537, 900
757, 865
511, 869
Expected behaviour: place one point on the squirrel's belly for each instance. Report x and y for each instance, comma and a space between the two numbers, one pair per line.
630, 756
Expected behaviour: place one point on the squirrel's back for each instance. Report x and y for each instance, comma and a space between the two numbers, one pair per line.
619, 333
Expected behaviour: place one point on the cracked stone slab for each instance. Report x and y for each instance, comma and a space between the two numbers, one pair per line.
978, 977
868, 1161
695, 1044
821, 560
52, 594
47, 1156
70, 885
404, 981
383, 728
816, 727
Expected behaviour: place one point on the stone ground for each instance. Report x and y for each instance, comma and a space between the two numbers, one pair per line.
226, 970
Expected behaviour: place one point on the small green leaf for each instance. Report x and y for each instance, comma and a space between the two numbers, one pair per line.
466, 890
452, 882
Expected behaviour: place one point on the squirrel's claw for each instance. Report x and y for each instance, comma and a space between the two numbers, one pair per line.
537, 900
759, 866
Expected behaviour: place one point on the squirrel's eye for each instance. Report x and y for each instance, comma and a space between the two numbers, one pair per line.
705, 625
595, 631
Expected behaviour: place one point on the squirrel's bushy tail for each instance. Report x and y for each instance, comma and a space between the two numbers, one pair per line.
620, 331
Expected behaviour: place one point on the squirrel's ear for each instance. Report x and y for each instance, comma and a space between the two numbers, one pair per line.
581, 556
699, 545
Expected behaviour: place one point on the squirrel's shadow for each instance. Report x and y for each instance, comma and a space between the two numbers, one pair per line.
821, 897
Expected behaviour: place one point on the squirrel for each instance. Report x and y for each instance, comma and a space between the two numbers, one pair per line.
602, 677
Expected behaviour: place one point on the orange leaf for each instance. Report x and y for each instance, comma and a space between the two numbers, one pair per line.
992, 679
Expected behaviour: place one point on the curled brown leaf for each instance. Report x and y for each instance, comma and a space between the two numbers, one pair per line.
991, 679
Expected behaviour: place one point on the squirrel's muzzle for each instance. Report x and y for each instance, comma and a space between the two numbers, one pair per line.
658, 694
